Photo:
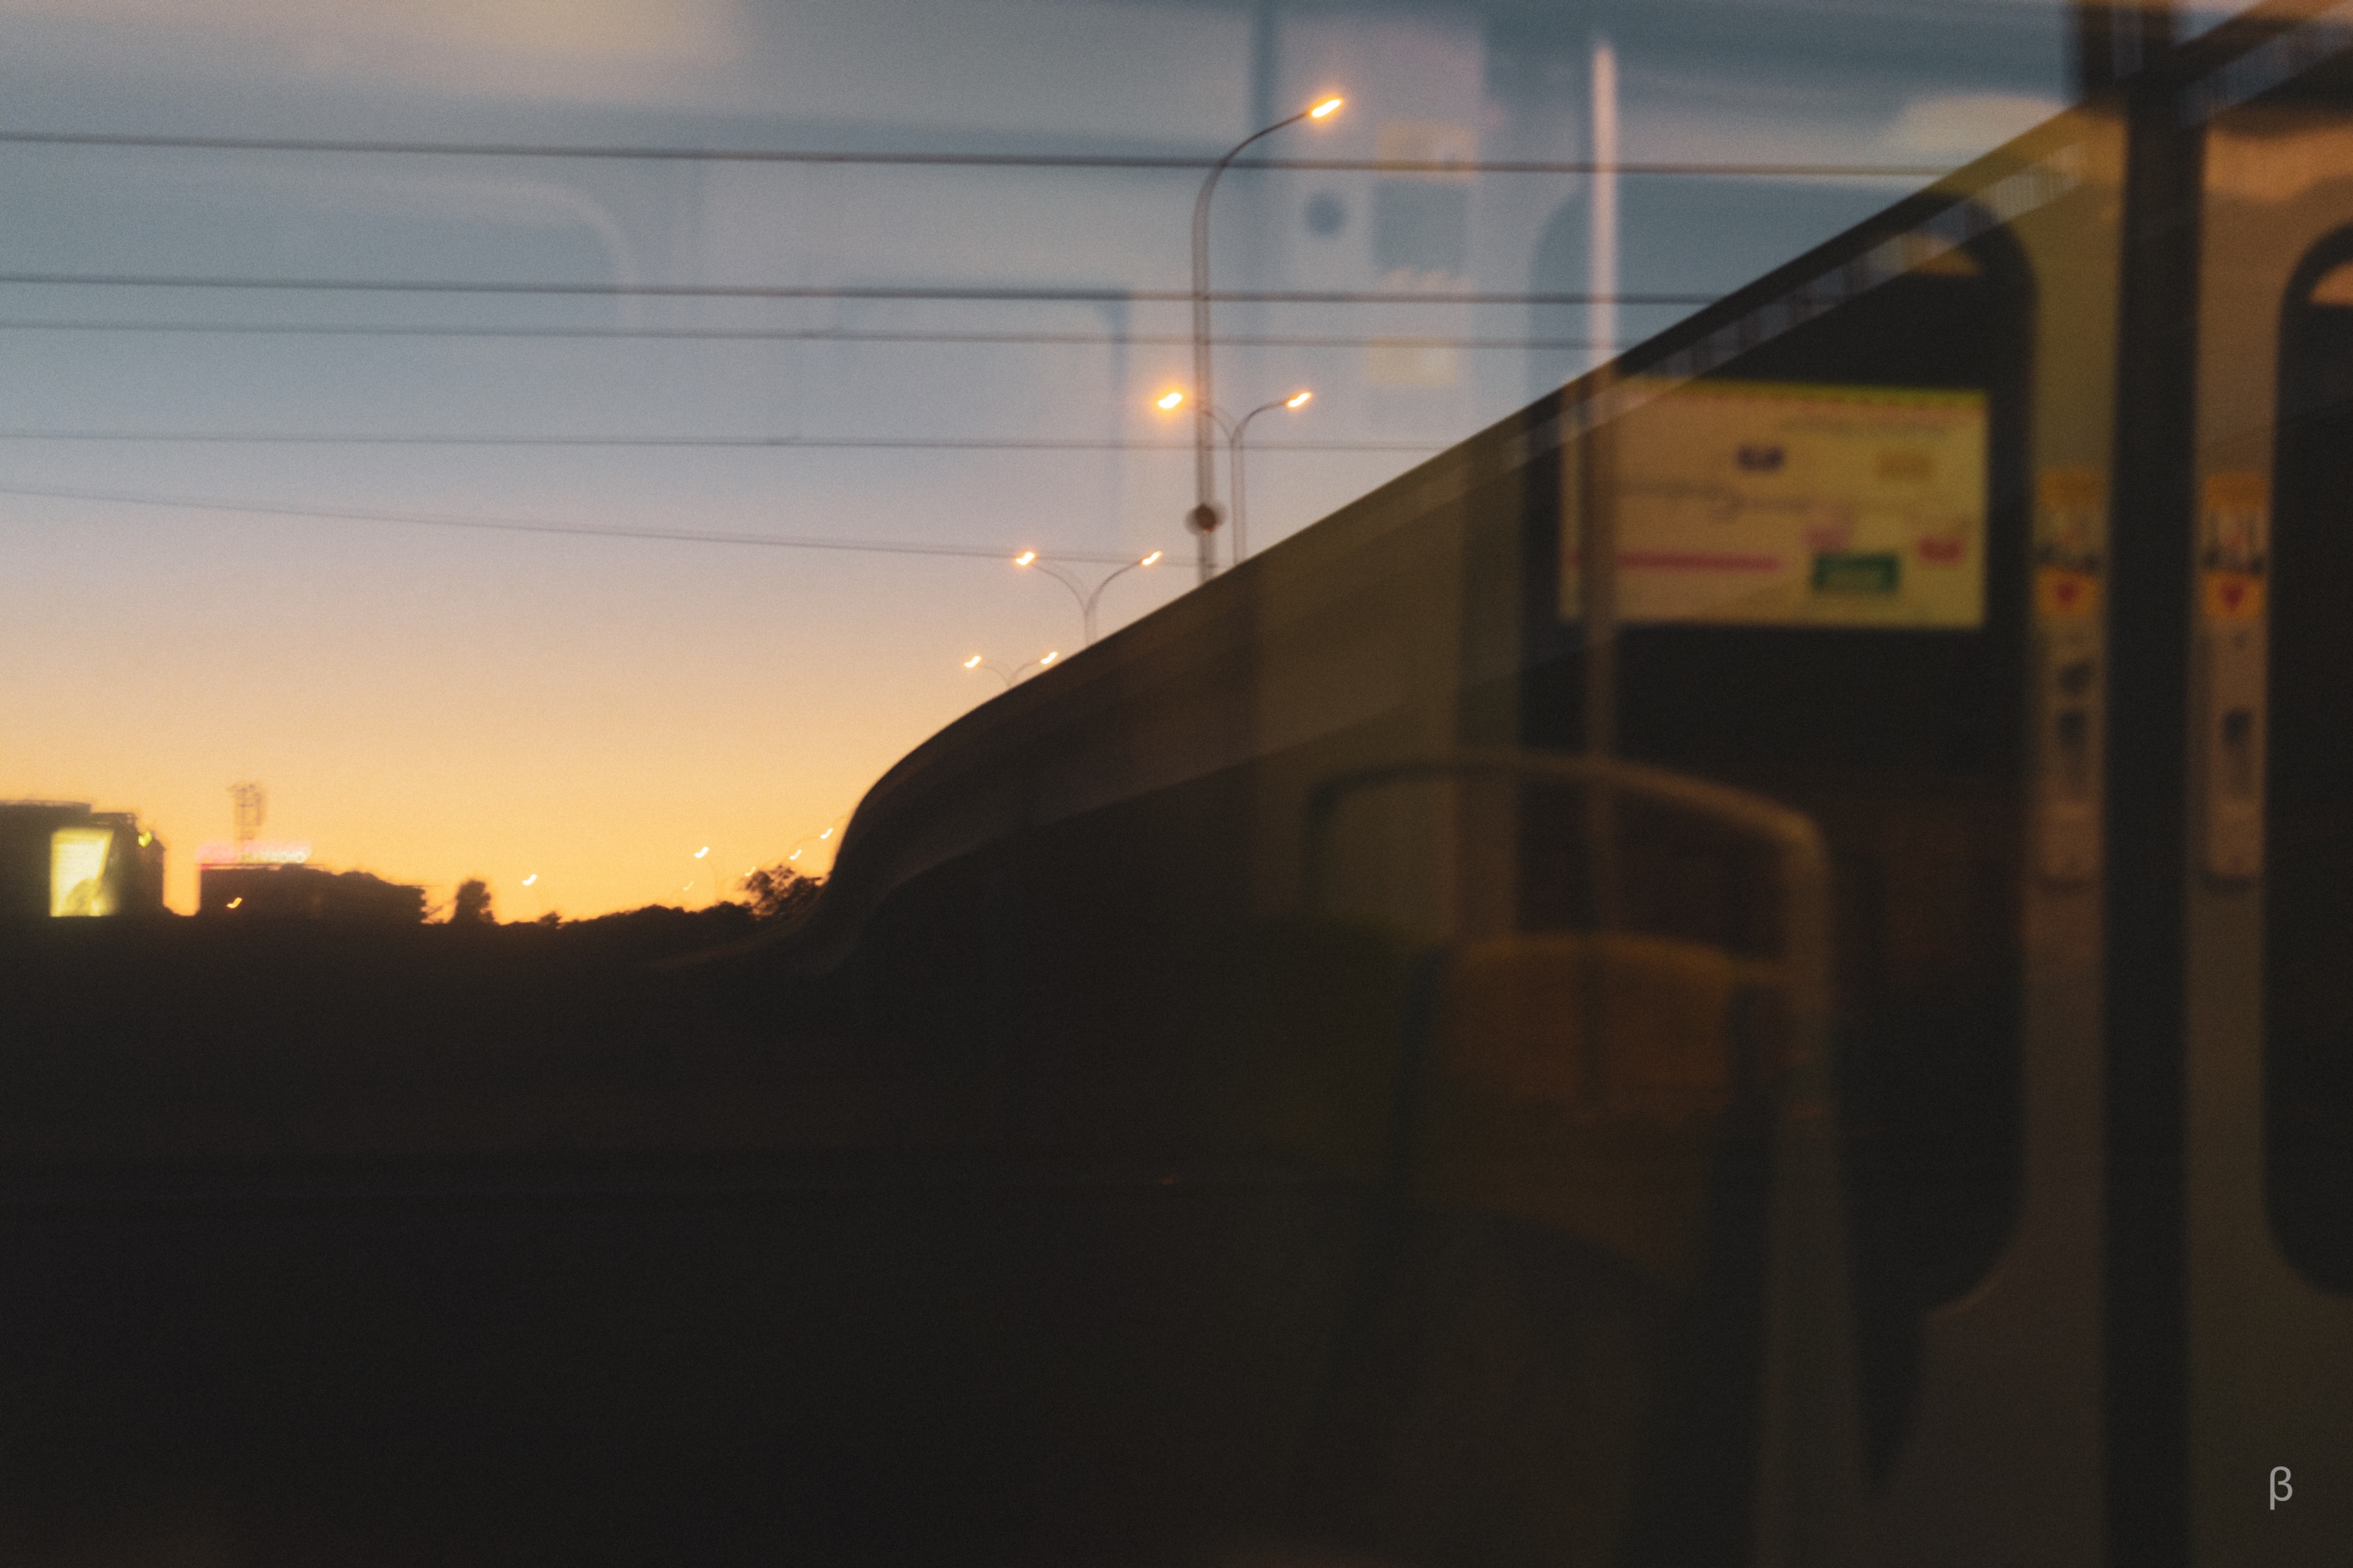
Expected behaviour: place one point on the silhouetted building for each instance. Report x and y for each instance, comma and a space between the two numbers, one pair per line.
60, 859
305, 892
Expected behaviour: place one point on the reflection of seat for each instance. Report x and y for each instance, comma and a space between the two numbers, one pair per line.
1602, 1316
1581, 1081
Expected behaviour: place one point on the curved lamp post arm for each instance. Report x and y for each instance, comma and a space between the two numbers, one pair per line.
1094, 598
1204, 463
1078, 590
1235, 432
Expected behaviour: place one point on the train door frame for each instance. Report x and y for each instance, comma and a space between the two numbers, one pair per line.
2009, 1401
2267, 1379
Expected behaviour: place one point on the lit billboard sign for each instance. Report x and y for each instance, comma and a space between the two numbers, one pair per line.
77, 880
1753, 503
256, 852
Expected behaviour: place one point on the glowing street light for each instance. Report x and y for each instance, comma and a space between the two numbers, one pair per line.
1078, 591
1010, 676
1235, 430
1204, 518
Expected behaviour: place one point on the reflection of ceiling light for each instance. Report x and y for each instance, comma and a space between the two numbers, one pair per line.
234, 902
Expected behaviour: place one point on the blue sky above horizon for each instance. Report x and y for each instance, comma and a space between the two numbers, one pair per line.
222, 508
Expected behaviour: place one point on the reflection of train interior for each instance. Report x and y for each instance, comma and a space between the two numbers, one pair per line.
1603, 1005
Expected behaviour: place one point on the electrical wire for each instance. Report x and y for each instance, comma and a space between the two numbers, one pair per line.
790, 334
1001, 295
588, 530
1180, 162
812, 443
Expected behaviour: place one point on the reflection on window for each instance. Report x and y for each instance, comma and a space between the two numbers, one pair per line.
1752, 503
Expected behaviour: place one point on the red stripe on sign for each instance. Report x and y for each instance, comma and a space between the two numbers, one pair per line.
1697, 561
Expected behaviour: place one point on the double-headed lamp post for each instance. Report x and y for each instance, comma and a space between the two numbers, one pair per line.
1088, 599
1236, 429
1012, 677
1203, 519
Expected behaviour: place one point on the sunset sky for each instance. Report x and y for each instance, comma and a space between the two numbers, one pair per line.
225, 511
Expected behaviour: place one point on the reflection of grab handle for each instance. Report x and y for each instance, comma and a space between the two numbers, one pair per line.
2232, 747
2069, 762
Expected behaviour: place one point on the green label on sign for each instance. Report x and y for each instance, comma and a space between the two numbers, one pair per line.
1856, 573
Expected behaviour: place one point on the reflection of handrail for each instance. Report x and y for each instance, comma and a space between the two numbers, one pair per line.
1808, 1484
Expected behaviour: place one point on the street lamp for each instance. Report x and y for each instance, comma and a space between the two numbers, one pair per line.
1010, 676
1204, 518
1078, 591
1235, 430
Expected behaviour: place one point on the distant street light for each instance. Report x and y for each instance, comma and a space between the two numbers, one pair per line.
1235, 430
1087, 599
1012, 677
1204, 518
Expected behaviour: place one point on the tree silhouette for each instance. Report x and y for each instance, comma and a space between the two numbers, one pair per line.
472, 907
778, 891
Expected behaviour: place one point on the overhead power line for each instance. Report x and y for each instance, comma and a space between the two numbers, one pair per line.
579, 530
982, 295
812, 443
1673, 167
795, 334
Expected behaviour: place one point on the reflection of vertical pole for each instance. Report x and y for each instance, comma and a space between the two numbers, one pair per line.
1601, 311
1598, 502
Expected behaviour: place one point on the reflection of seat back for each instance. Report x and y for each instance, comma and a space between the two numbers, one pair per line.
1602, 1312
1581, 1081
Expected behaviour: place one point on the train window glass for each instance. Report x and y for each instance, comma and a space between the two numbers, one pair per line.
1897, 728
2308, 877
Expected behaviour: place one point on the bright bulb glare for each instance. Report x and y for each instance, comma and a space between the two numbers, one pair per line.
527, 881
1025, 557
1169, 399
234, 902
1299, 401
1049, 659
794, 855
1149, 559
1324, 109
702, 852
973, 663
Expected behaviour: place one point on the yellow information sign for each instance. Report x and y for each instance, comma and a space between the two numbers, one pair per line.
1767, 504
2235, 554
2071, 507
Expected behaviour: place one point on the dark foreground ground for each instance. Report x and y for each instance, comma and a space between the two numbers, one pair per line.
523, 1246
